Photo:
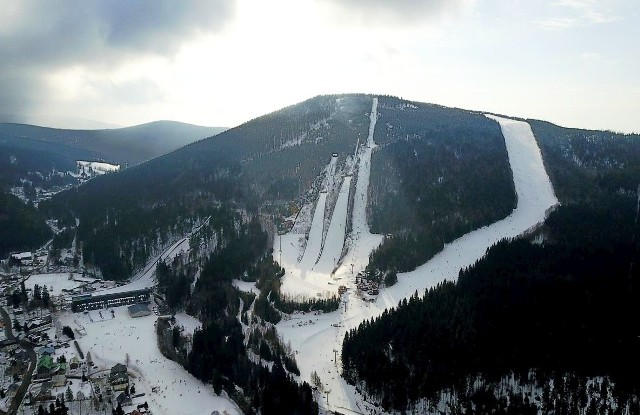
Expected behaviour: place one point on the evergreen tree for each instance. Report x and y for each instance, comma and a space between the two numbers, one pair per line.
45, 297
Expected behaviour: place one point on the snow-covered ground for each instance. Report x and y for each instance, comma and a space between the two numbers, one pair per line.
97, 167
112, 340
318, 341
190, 324
56, 282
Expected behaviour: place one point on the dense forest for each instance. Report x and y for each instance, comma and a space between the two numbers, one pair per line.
218, 354
557, 302
22, 227
585, 165
42, 164
438, 174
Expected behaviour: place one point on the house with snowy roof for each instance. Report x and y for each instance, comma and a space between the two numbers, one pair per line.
123, 399
41, 391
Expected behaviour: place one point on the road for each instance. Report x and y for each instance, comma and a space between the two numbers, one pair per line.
26, 380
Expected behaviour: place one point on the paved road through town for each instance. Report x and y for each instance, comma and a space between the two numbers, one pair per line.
26, 380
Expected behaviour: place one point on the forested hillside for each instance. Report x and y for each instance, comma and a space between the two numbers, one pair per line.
22, 227
585, 165
438, 174
124, 216
224, 248
43, 165
37, 160
130, 145
557, 303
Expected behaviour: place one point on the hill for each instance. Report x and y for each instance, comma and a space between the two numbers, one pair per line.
436, 174
130, 145
277, 162
36, 161
545, 312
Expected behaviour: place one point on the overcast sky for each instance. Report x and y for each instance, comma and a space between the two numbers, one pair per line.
223, 62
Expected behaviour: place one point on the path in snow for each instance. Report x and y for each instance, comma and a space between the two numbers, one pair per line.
318, 339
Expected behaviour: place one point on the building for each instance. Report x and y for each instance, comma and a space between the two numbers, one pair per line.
119, 378
74, 363
46, 367
139, 310
93, 302
23, 257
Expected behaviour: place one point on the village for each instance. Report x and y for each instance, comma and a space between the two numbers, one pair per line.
45, 310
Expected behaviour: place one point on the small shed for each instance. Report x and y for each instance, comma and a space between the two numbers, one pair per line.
139, 310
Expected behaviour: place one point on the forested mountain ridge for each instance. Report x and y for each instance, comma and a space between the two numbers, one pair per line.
552, 308
129, 145
438, 173
587, 164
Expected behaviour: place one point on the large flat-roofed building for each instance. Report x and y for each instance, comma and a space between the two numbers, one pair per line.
139, 310
94, 302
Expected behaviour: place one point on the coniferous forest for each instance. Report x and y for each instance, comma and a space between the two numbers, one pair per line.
438, 173
559, 302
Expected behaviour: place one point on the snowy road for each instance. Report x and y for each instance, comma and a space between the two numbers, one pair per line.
318, 339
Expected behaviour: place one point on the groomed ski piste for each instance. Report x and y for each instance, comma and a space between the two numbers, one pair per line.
317, 339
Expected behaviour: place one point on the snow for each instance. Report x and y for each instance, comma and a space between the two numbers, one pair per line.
334, 240
248, 287
56, 282
320, 277
314, 243
112, 340
190, 324
98, 167
316, 339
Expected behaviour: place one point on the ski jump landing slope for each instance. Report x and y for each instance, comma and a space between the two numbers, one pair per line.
317, 339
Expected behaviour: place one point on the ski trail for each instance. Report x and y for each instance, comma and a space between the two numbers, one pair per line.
314, 243
361, 241
335, 235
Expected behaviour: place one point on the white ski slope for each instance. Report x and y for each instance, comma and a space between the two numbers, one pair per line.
317, 339
314, 243
335, 235
322, 278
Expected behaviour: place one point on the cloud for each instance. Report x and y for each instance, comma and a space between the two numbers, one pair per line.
576, 13
398, 11
40, 37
